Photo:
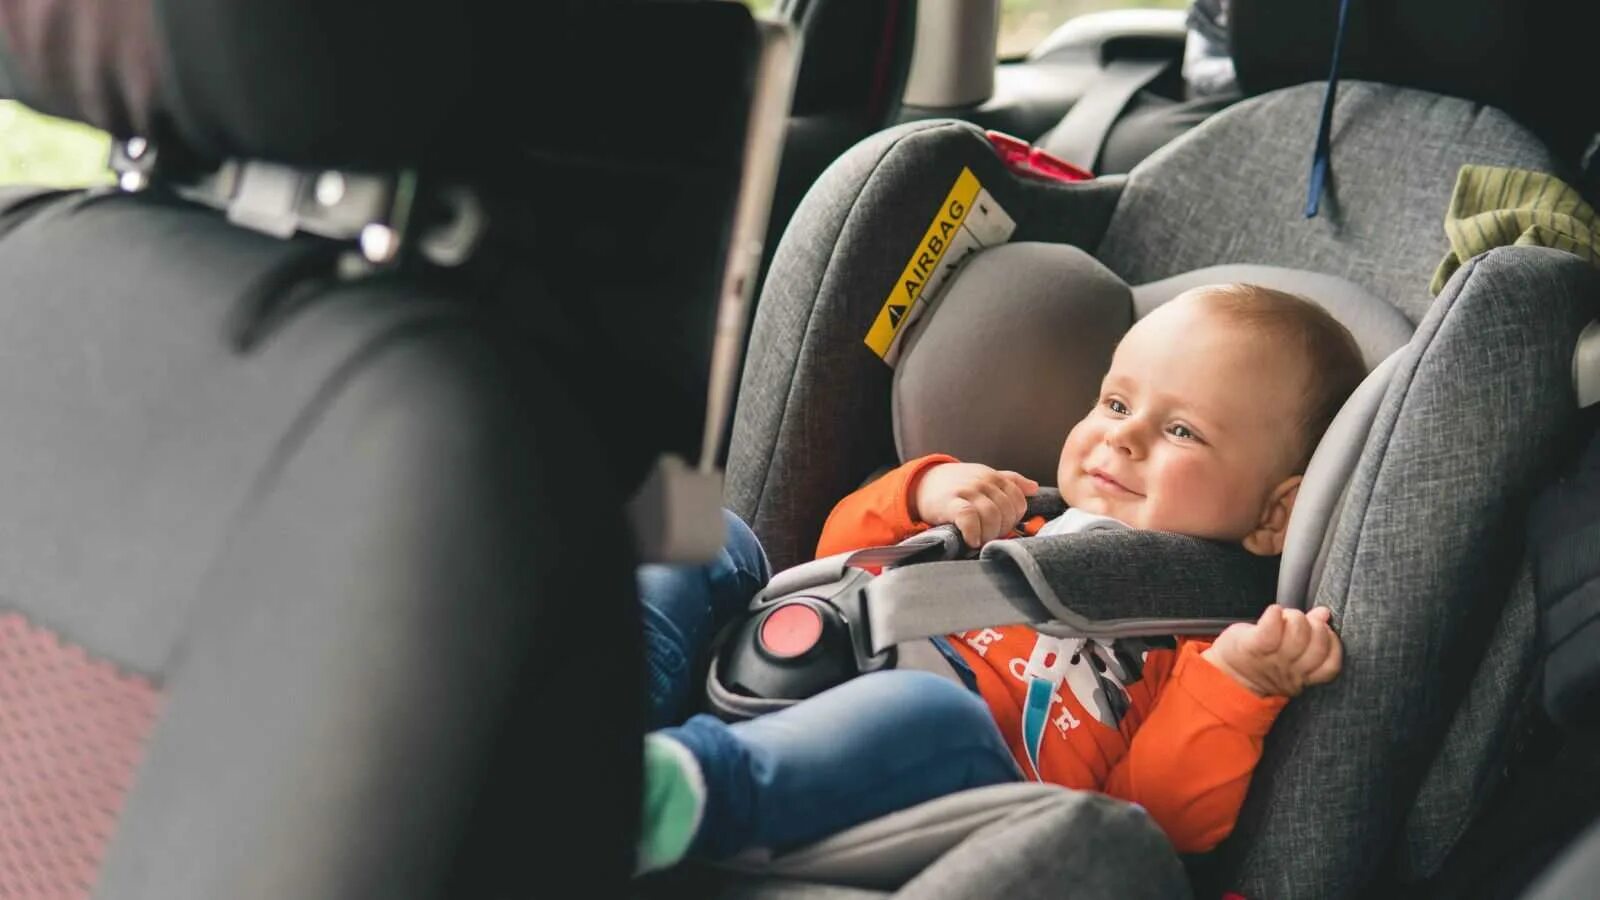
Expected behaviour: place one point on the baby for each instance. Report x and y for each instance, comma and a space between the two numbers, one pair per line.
1204, 425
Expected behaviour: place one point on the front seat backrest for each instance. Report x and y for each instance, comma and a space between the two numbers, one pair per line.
1502, 53
323, 582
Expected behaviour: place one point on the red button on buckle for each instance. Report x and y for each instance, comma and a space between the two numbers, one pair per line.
791, 630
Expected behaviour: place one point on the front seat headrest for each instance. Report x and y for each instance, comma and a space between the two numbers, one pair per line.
357, 83
1516, 55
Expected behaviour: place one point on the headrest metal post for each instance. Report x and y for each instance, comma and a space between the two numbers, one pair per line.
134, 162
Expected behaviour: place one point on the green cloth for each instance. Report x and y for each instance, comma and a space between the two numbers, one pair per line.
1495, 207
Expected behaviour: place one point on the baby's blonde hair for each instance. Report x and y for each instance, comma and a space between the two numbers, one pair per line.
1332, 357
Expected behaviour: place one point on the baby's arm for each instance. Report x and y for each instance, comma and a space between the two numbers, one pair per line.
880, 513
1190, 763
931, 490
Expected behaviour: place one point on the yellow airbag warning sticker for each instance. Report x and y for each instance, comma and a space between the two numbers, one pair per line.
968, 220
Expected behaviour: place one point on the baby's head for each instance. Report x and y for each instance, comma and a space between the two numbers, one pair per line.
1209, 414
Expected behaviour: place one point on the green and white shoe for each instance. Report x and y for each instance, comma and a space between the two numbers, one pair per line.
674, 803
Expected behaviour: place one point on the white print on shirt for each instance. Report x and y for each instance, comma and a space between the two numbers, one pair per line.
981, 640
1066, 721
1097, 672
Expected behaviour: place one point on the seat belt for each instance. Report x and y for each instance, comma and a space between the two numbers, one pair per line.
1081, 134
947, 597
1112, 588
927, 590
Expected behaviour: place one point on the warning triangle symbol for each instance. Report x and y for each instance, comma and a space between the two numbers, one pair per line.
897, 311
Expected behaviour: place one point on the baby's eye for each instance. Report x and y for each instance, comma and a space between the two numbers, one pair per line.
1183, 432
1117, 406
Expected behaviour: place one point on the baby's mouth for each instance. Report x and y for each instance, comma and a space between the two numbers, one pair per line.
1109, 485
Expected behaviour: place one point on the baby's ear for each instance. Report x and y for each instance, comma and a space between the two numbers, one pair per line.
1267, 538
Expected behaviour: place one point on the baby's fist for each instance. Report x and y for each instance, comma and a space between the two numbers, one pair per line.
983, 503
1281, 654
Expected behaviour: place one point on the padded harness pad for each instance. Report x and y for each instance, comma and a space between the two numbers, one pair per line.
1116, 583
1101, 584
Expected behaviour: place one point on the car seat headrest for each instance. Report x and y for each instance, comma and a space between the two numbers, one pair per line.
1377, 326
1504, 53
356, 83
1013, 353
1010, 358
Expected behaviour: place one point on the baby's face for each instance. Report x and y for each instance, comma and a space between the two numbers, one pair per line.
1197, 424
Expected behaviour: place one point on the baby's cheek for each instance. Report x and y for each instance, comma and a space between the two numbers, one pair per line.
1200, 500
1072, 456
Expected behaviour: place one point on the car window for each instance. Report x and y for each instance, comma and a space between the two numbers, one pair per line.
39, 149
1024, 23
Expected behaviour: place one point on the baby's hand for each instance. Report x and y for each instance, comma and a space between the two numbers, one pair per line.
1285, 651
982, 502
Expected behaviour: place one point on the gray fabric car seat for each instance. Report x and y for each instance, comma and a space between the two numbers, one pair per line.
292, 557
1369, 781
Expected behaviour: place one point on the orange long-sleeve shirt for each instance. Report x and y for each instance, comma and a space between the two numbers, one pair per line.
1148, 721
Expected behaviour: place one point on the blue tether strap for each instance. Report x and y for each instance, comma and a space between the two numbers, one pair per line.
1319, 157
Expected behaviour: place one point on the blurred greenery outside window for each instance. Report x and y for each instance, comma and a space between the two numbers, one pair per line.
1024, 23
39, 149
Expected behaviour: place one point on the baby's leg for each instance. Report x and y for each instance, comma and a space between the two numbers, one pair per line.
873, 745
684, 606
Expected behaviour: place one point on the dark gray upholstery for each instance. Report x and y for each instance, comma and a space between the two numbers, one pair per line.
1114, 851
1024, 841
1423, 561
1100, 576
1234, 191
335, 555
357, 563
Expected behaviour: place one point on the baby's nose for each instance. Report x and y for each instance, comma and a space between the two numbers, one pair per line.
1124, 437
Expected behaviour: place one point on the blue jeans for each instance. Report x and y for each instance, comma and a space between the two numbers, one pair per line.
684, 608
873, 745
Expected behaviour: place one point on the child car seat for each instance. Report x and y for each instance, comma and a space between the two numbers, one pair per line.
1053, 314
1370, 779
